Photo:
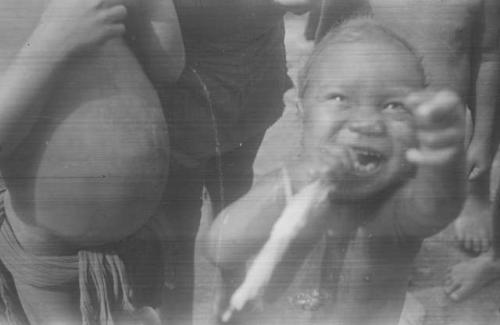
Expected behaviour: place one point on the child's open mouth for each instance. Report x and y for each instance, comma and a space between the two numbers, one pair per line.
365, 161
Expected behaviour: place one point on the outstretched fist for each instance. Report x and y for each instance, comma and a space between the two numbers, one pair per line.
440, 127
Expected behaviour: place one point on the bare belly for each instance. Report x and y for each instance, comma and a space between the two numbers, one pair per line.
94, 166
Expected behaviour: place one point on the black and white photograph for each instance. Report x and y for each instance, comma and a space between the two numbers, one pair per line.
249, 162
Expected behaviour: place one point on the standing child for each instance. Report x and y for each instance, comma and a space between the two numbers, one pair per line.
378, 155
459, 42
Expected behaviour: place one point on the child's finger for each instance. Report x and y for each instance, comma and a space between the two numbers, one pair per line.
115, 30
415, 99
430, 157
475, 173
441, 138
116, 14
442, 110
112, 3
336, 160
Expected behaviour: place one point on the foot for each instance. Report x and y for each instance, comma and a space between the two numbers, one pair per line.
468, 277
473, 226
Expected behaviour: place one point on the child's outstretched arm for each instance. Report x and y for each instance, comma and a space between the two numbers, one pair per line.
66, 27
435, 196
487, 104
154, 34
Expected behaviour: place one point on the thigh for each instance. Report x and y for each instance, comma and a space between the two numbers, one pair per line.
182, 200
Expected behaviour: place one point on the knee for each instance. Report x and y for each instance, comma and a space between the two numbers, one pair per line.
213, 248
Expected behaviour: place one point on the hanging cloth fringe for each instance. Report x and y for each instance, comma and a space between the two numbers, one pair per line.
102, 275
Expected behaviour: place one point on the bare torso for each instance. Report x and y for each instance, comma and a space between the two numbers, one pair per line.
94, 166
441, 31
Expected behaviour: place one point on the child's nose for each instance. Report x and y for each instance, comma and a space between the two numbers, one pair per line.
371, 125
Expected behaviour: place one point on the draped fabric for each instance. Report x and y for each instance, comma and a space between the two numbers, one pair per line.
104, 285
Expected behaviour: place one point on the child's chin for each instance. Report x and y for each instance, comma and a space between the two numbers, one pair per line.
363, 191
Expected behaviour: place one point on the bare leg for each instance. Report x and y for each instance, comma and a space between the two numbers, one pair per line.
468, 277
473, 226
233, 172
183, 212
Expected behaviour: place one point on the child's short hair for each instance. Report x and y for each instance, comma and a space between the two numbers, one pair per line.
359, 29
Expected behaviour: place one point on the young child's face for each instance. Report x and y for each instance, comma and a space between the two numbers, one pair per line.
355, 107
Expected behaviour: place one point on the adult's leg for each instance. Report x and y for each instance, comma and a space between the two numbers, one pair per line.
230, 176
469, 276
312, 21
473, 226
182, 211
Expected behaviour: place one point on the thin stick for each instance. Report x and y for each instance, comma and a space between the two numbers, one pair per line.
296, 215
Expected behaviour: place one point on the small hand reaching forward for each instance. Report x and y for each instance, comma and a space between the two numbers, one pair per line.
440, 126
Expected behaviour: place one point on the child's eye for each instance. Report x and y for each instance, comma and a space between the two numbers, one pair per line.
394, 107
337, 97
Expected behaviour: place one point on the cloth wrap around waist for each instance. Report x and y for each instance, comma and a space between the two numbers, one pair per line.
101, 273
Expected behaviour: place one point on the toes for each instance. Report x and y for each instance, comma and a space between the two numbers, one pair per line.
451, 289
458, 293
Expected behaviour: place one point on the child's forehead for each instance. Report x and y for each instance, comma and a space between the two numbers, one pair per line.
373, 70
372, 51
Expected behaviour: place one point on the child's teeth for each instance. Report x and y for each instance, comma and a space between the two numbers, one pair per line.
364, 168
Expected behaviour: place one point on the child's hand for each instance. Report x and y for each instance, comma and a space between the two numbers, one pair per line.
75, 25
325, 164
440, 127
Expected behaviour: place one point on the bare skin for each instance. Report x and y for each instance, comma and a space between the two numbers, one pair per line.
84, 143
466, 278
458, 42
366, 108
295, 6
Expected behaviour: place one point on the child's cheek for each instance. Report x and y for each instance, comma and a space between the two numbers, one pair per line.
404, 133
